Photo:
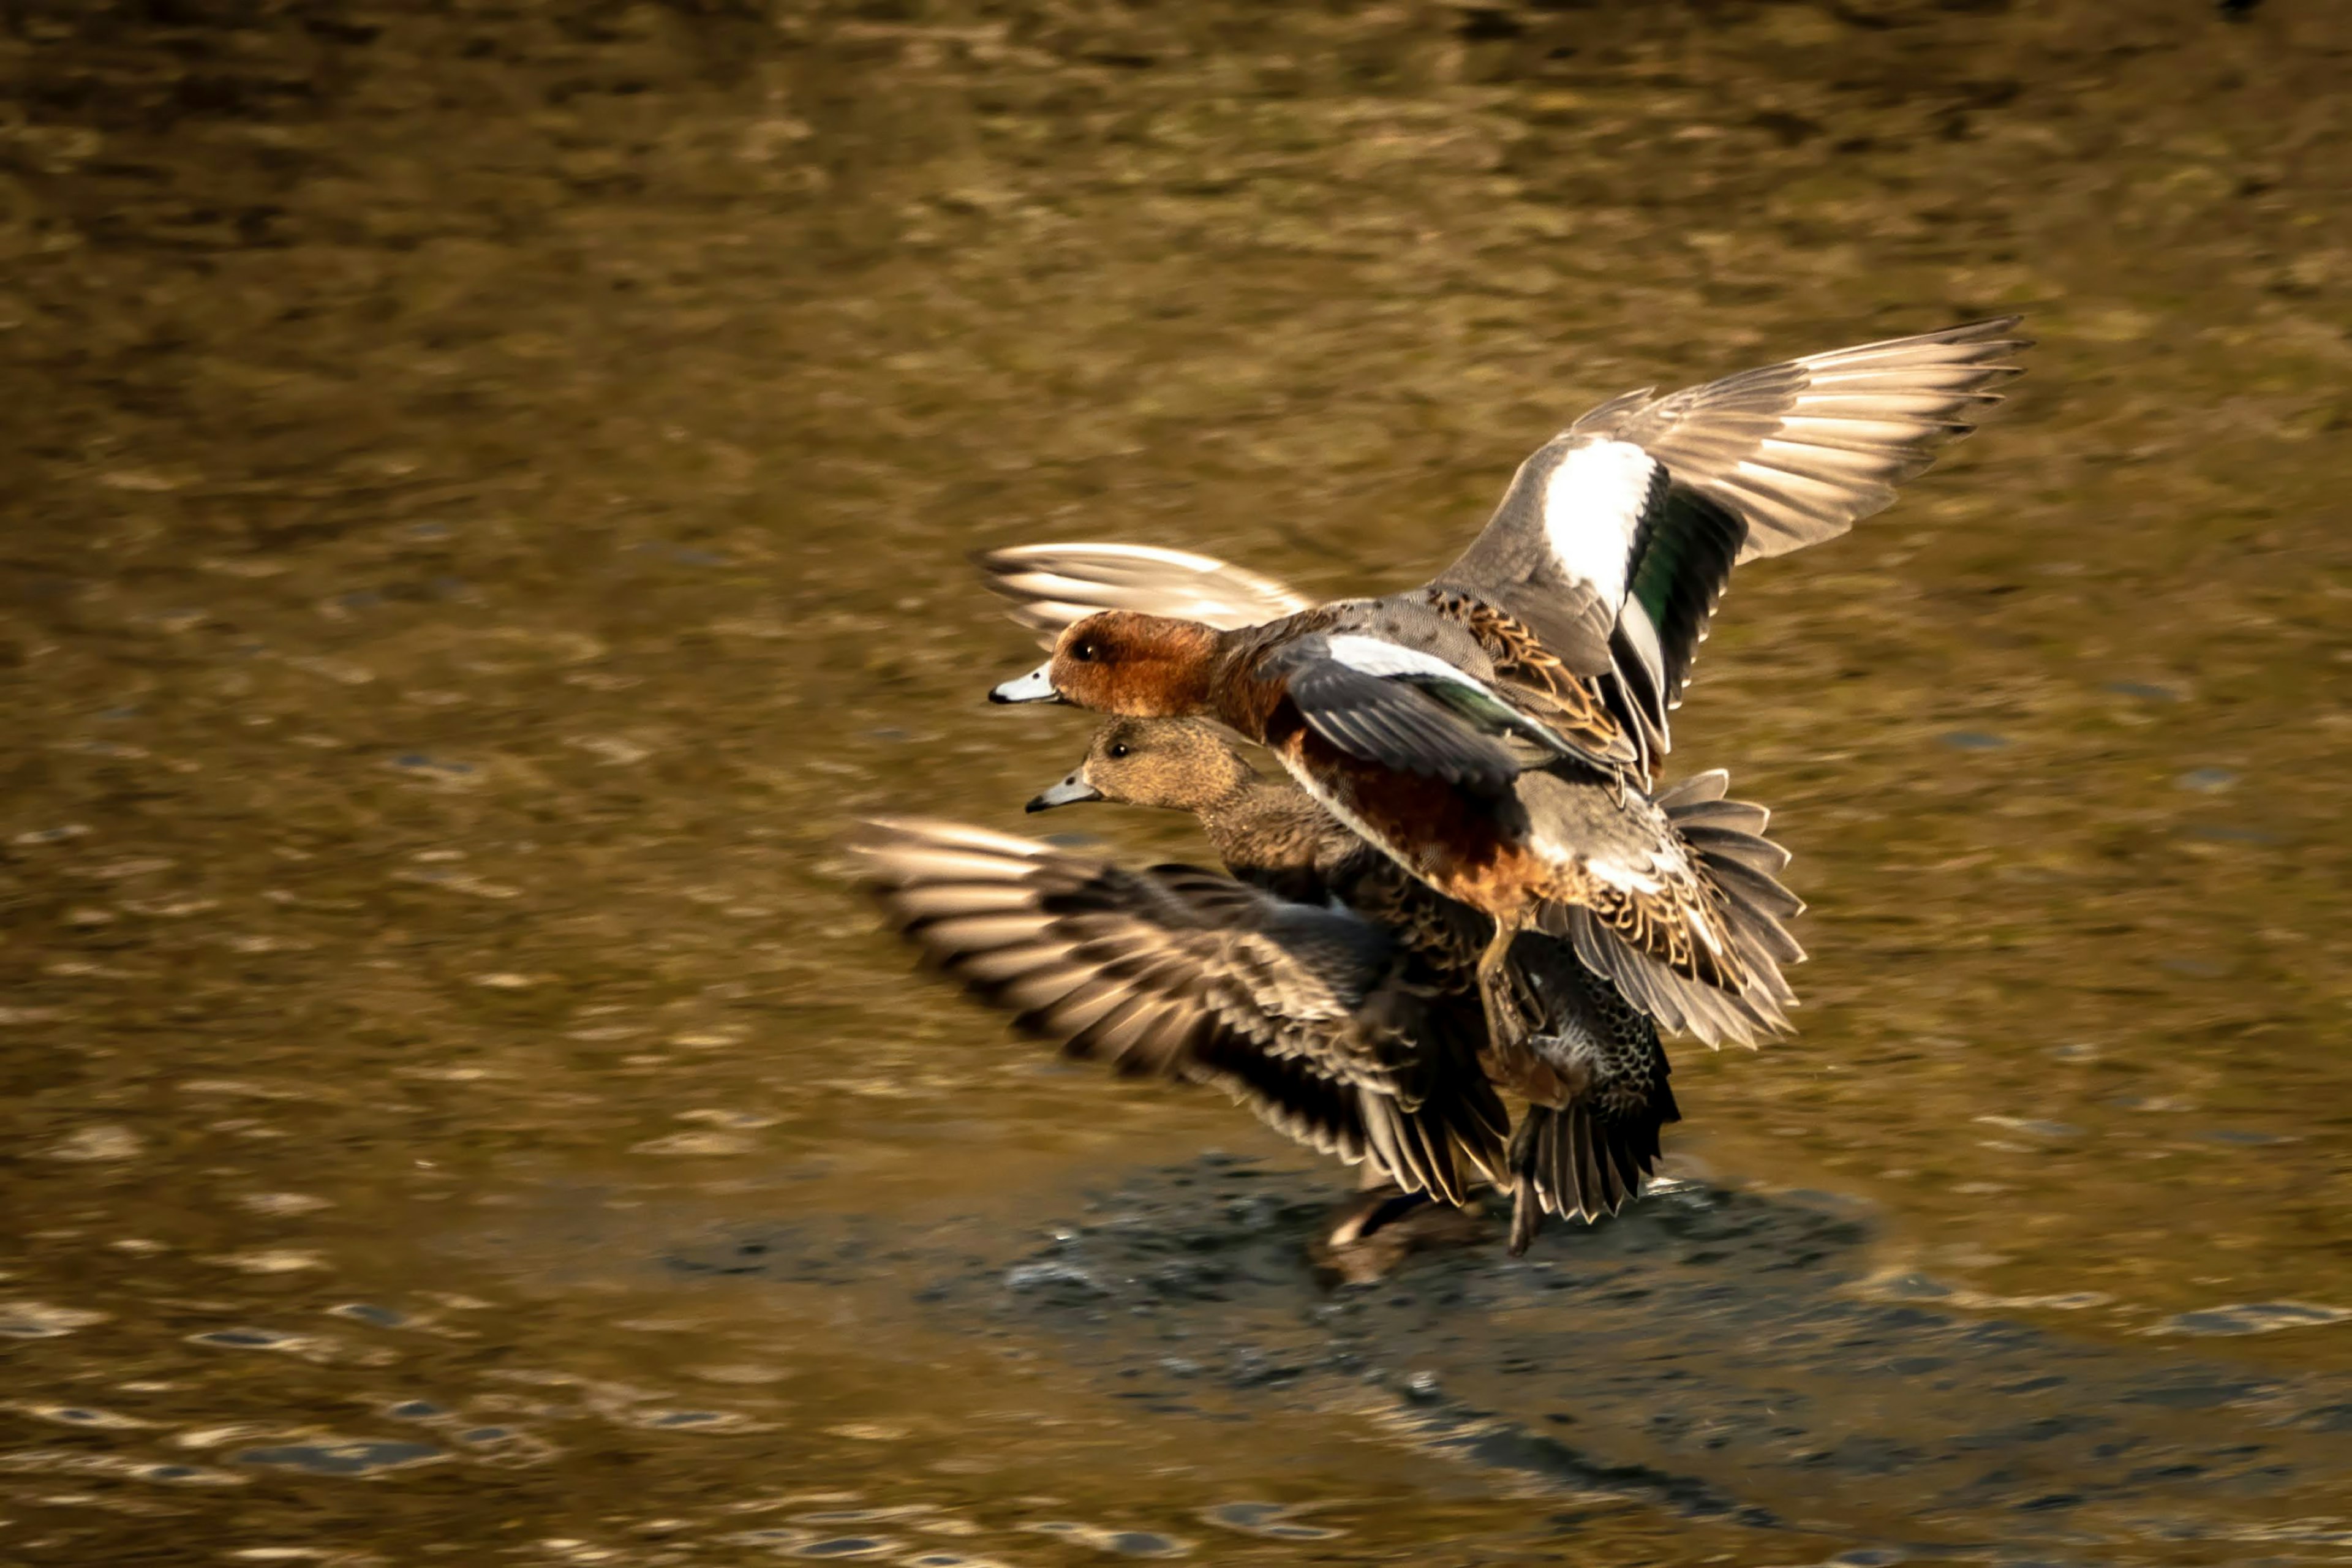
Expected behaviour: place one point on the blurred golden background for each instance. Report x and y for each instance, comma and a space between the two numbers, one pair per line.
487, 490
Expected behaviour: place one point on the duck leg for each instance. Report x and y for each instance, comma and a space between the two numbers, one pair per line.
1507, 1027
1527, 1207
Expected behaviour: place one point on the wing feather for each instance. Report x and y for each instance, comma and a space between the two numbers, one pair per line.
1808, 446
1179, 973
1759, 463
1397, 724
1051, 586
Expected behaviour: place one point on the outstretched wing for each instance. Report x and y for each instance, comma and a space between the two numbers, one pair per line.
1616, 537
1051, 586
1179, 973
1804, 449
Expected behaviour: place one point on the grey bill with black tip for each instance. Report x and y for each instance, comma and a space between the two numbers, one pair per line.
1037, 686
1071, 791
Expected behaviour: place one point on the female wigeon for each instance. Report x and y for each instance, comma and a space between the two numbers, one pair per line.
1272, 835
1490, 730
1595, 1075
1309, 1015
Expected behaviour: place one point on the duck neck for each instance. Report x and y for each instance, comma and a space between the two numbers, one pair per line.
1261, 824
1194, 666
1247, 694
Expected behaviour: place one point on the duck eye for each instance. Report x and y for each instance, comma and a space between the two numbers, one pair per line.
1083, 653
1118, 748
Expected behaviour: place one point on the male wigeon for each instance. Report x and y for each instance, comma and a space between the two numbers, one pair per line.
1612, 544
1309, 1015
1490, 730
1595, 1075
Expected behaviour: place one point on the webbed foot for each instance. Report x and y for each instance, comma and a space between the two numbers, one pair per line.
1384, 1227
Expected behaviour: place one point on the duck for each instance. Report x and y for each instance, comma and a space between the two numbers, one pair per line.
1611, 546
1596, 1081
1433, 766
1494, 730
1314, 1017
1269, 832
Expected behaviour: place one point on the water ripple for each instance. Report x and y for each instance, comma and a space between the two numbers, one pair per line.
343, 1457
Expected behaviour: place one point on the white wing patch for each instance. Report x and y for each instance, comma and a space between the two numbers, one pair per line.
1390, 661
1593, 503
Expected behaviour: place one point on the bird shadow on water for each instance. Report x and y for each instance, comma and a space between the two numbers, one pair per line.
1715, 1355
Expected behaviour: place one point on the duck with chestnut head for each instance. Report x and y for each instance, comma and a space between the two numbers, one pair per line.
1484, 802
1492, 731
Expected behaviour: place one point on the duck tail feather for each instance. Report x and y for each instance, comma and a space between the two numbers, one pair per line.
1573, 1162
1675, 1002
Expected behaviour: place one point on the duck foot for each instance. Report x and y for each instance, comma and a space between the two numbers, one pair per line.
1526, 1216
1384, 1227
1526, 1204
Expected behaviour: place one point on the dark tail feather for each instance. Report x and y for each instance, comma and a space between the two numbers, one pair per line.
1568, 1161
1727, 837
1527, 1154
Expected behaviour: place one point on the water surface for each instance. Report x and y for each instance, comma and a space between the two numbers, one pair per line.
489, 486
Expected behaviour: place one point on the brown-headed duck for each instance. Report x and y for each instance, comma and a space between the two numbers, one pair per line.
1492, 731
1603, 564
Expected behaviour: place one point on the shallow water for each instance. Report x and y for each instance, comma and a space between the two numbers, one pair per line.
487, 493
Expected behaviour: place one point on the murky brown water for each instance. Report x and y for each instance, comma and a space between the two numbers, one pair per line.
487, 492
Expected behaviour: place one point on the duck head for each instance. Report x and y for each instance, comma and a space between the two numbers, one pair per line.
1119, 661
1182, 764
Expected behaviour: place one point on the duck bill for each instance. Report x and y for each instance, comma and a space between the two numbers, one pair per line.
1071, 791
1037, 686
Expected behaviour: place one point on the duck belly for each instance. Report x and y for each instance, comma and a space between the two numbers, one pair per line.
1467, 847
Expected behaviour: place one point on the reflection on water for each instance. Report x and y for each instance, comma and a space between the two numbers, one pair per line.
490, 487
